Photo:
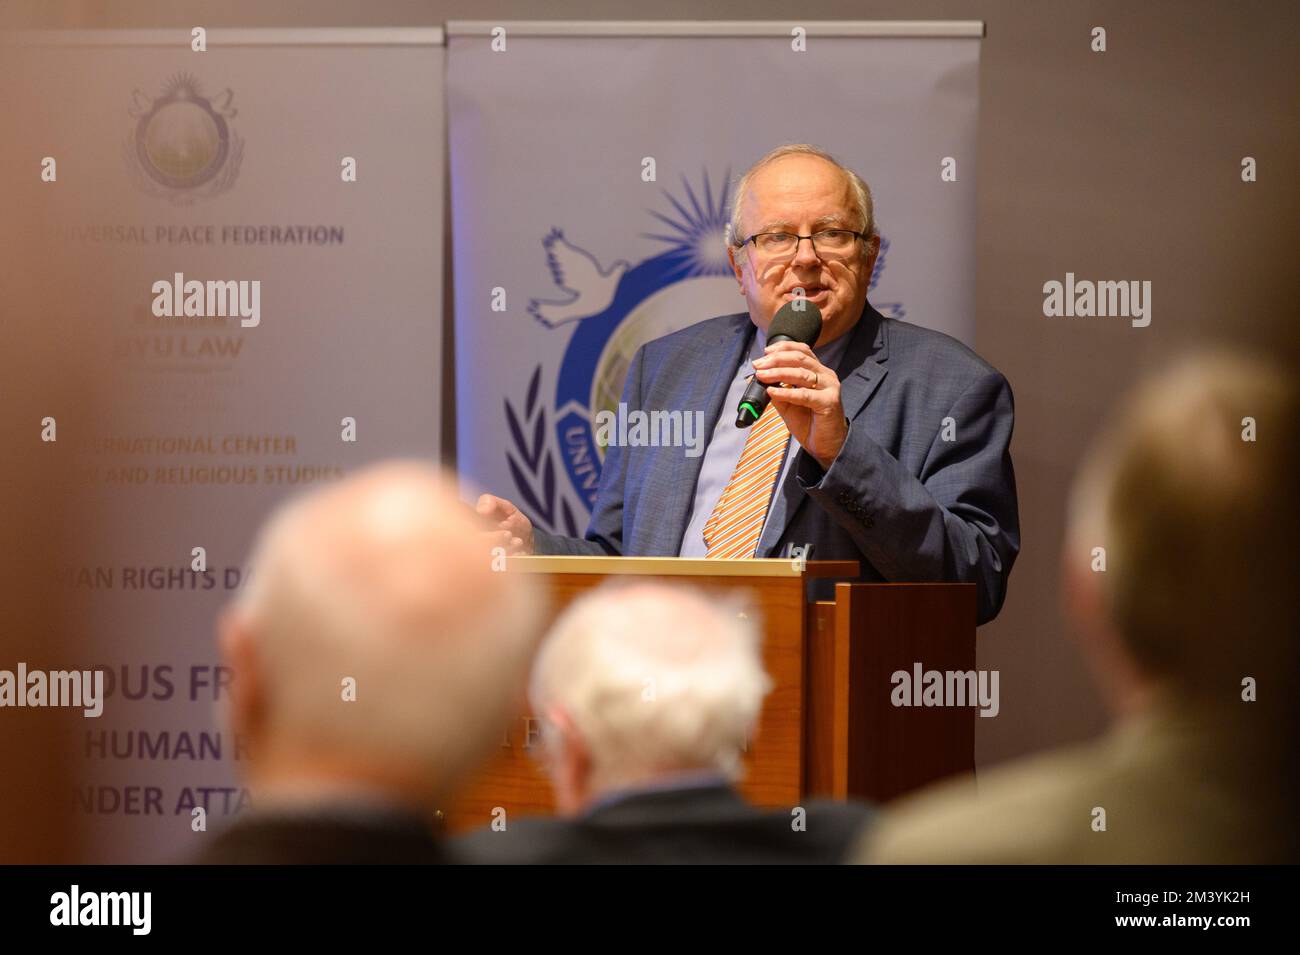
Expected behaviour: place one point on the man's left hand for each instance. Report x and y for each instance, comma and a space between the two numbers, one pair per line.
807, 395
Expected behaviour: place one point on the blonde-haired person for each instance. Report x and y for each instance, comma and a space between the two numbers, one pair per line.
648, 694
1191, 631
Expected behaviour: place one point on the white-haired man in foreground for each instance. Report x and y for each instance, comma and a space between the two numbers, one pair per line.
376, 659
647, 696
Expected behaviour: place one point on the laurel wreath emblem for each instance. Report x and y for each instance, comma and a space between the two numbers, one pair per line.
532, 464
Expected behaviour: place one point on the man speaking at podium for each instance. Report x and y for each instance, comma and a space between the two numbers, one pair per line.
883, 442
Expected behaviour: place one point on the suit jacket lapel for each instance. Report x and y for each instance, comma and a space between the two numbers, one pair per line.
866, 354
706, 375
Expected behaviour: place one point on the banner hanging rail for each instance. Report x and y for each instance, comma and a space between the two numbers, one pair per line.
436, 36
716, 28
242, 36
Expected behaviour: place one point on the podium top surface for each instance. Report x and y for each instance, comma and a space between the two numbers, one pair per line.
682, 566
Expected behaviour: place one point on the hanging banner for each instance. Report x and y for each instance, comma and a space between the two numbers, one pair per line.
256, 232
592, 167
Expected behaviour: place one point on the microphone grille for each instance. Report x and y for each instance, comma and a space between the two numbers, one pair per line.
799, 320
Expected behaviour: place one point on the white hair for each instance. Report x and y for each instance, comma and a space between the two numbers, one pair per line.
438, 645
654, 678
862, 201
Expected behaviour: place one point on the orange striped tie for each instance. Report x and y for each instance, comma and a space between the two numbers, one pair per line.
736, 523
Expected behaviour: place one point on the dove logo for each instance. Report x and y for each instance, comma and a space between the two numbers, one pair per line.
588, 289
182, 146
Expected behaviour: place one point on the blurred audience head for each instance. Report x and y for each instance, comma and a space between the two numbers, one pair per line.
643, 683
1192, 494
373, 645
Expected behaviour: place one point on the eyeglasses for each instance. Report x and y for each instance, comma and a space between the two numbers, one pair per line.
831, 242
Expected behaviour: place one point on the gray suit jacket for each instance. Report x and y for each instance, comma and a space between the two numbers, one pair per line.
911, 496
1182, 784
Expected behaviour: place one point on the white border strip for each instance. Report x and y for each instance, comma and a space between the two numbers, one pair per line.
218, 37
820, 28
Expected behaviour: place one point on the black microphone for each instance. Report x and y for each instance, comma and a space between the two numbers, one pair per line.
798, 320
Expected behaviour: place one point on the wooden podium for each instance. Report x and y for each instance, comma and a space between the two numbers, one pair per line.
828, 728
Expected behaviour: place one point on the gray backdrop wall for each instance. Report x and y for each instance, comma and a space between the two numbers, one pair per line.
1122, 165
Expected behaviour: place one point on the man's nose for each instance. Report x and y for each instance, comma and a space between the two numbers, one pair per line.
805, 254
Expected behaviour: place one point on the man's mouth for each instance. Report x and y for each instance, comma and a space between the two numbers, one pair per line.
813, 293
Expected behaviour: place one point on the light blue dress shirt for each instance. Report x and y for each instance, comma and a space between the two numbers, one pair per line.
727, 442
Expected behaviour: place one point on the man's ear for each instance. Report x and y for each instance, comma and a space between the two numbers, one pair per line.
1084, 594
247, 704
736, 267
1088, 606
873, 252
571, 761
